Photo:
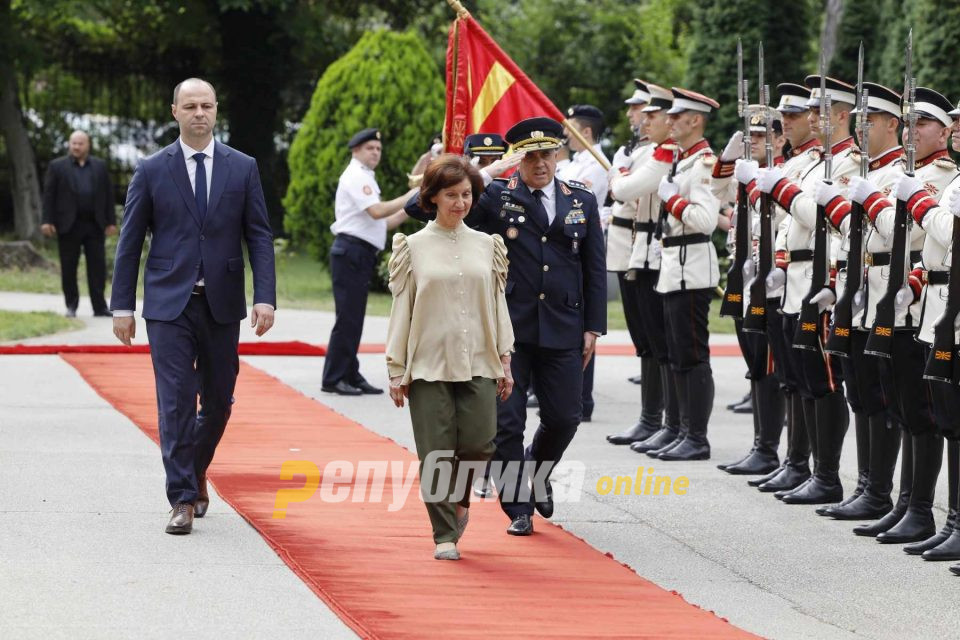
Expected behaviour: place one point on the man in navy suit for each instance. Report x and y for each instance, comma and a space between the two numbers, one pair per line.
557, 295
199, 199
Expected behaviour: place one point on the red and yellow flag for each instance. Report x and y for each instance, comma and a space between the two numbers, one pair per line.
486, 91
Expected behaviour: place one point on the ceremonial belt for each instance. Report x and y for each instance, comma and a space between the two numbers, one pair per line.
938, 277
648, 227
882, 259
682, 241
801, 255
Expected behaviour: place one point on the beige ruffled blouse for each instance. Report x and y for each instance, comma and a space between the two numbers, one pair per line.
449, 319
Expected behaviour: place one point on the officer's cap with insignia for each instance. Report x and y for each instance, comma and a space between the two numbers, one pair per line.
881, 99
585, 111
641, 95
686, 100
535, 134
660, 98
793, 98
484, 144
839, 91
932, 106
366, 135
758, 121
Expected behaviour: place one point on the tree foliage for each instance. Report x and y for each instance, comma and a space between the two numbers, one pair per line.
387, 81
936, 42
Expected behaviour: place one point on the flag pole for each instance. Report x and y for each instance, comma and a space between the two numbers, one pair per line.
459, 8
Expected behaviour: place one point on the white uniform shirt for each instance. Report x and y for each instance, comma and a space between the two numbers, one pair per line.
620, 239
356, 191
937, 256
586, 169
640, 187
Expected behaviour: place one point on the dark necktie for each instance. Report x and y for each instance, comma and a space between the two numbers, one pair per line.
542, 217
200, 185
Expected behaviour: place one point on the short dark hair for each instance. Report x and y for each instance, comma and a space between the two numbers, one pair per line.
445, 171
595, 124
176, 89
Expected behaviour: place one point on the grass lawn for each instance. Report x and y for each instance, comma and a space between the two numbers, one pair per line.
17, 325
302, 283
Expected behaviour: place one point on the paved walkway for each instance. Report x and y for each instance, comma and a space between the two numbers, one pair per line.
85, 556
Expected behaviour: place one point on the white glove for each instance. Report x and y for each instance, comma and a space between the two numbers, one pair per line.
824, 192
621, 160
734, 149
859, 300
860, 189
667, 189
906, 187
776, 279
768, 177
749, 270
824, 298
904, 299
745, 170
955, 203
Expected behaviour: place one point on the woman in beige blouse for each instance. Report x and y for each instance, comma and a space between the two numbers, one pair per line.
449, 342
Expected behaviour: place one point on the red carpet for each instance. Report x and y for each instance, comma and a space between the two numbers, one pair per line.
375, 568
292, 348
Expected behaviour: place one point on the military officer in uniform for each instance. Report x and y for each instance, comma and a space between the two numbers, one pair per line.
361, 233
484, 148
824, 404
689, 271
902, 375
556, 293
638, 188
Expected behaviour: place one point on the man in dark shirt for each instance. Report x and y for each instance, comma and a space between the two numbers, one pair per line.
78, 209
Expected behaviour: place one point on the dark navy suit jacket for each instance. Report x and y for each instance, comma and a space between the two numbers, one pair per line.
557, 281
160, 200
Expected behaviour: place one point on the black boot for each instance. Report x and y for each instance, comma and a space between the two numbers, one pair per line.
797, 469
862, 426
875, 501
651, 413
696, 390
948, 548
903, 499
770, 406
808, 408
723, 466
917, 523
674, 420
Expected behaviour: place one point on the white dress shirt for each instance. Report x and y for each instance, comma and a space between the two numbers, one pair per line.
358, 190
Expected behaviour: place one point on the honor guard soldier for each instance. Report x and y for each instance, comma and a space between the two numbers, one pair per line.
878, 441
484, 148
585, 170
557, 295
688, 270
639, 187
824, 406
766, 395
902, 373
939, 223
361, 226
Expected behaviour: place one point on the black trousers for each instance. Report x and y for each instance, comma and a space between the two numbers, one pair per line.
88, 237
352, 264
861, 378
557, 376
909, 395
687, 331
630, 299
818, 372
755, 350
783, 365
651, 313
192, 355
946, 405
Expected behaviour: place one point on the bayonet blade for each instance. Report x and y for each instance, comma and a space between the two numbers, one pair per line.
740, 97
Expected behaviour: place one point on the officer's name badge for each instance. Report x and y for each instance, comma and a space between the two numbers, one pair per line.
575, 217
510, 206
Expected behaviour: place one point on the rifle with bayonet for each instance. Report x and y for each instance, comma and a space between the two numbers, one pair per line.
880, 341
807, 335
732, 304
755, 321
839, 341
942, 361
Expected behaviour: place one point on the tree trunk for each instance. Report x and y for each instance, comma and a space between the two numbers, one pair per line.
831, 22
26, 186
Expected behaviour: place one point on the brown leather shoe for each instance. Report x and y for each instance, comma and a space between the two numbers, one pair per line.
203, 498
181, 519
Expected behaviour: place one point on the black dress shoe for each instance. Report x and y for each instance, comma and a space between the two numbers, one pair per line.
367, 388
687, 450
522, 525
181, 519
723, 465
779, 494
865, 507
816, 491
755, 464
934, 547
740, 403
342, 389
660, 439
955, 569
756, 482
787, 480
914, 526
584, 418
949, 549
102, 313
635, 379
203, 498
545, 508
637, 433
888, 521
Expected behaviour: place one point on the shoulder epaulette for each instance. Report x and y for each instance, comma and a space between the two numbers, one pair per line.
513, 182
577, 185
855, 155
708, 159
945, 163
